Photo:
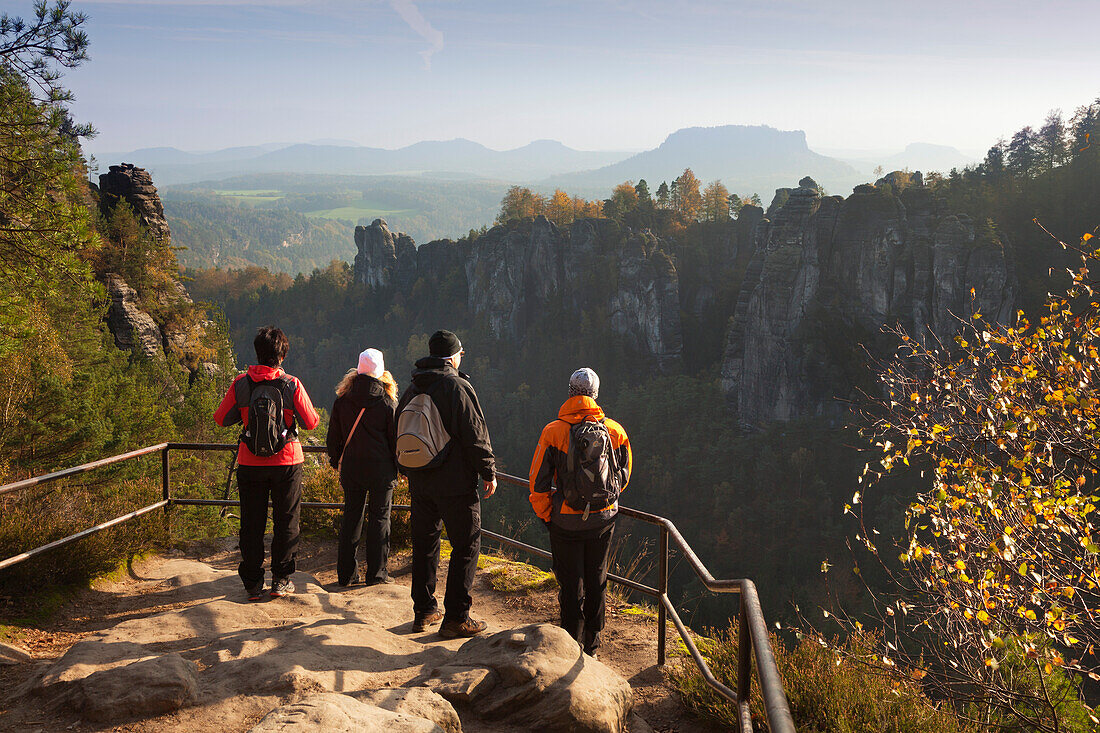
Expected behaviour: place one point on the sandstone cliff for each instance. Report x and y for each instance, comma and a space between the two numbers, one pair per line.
180, 334
782, 304
828, 272
512, 273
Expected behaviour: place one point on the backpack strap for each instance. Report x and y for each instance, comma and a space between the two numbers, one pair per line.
340, 463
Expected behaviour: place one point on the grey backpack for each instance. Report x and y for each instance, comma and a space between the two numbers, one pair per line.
422, 439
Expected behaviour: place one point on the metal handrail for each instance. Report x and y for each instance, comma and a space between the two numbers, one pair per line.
753, 632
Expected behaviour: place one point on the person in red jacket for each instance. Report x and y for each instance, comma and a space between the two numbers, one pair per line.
580, 512
277, 471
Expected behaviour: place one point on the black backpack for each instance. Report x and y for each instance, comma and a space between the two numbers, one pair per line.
593, 474
266, 433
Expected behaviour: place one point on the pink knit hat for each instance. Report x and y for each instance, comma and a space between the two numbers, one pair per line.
371, 363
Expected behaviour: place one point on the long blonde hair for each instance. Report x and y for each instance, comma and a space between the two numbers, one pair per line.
386, 379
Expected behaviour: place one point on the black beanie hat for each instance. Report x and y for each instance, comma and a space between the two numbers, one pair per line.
444, 344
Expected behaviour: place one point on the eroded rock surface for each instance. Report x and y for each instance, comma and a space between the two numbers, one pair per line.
134, 185
316, 660
534, 676
134, 329
341, 714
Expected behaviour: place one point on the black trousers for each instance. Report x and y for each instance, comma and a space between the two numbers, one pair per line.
365, 508
461, 515
580, 565
283, 485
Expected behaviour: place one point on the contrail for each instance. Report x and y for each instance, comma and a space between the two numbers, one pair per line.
411, 15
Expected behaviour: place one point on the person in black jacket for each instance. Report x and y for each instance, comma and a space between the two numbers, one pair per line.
361, 439
446, 493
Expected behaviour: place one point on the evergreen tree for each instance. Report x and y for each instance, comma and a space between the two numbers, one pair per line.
1023, 152
662, 196
1051, 141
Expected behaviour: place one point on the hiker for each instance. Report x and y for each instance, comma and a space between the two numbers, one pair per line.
271, 405
581, 465
361, 445
443, 447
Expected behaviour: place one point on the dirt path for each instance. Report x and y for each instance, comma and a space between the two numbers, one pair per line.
629, 646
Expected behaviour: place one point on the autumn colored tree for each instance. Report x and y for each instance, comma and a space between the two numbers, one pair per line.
520, 202
688, 200
715, 202
624, 199
1000, 571
560, 208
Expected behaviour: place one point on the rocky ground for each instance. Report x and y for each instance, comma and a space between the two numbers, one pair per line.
197, 656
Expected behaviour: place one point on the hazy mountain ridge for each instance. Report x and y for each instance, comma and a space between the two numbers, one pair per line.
534, 161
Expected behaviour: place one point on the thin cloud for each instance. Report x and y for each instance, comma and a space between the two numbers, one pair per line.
411, 15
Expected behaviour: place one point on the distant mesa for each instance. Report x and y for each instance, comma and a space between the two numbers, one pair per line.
746, 158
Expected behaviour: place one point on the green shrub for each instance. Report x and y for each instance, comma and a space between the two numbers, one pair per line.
827, 691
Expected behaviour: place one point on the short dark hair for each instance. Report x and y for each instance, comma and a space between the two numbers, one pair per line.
271, 346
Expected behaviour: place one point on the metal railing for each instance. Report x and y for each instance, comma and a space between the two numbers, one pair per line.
752, 635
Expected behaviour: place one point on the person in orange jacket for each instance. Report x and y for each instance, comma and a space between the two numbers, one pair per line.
270, 461
580, 466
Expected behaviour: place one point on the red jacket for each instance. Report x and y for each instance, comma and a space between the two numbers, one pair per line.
229, 413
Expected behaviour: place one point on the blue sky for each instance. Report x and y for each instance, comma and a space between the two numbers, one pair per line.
595, 74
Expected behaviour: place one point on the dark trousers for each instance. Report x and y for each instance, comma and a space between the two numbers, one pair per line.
580, 565
283, 485
374, 503
461, 515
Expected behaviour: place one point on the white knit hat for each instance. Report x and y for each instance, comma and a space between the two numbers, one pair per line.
371, 363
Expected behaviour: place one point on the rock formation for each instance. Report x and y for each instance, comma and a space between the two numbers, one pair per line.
796, 293
135, 186
511, 274
828, 272
134, 329
534, 677
132, 326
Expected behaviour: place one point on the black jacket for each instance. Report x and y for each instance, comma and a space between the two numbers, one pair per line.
470, 453
371, 452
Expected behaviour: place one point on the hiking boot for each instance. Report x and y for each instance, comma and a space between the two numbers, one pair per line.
421, 622
354, 579
454, 629
255, 591
281, 587
379, 581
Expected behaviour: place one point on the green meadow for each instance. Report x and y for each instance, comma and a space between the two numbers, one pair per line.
362, 210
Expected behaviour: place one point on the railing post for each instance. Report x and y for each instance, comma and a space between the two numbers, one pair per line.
744, 653
165, 493
662, 588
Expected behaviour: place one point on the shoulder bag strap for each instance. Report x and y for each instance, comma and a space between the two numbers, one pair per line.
340, 463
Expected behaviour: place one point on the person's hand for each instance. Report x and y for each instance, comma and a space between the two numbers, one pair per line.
490, 487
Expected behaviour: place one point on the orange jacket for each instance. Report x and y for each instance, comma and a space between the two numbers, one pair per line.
230, 413
550, 457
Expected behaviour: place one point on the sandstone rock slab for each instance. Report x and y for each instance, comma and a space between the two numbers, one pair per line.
336, 713
149, 687
12, 655
543, 680
415, 701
